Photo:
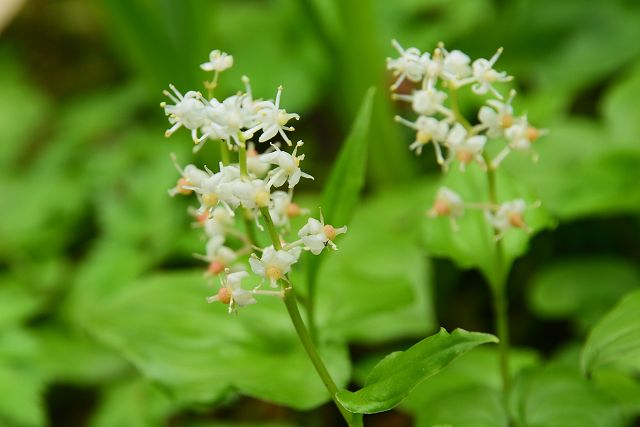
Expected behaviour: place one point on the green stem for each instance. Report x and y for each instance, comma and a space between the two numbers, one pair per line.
224, 153
453, 98
242, 159
498, 288
353, 420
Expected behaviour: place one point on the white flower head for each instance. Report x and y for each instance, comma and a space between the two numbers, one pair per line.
485, 76
218, 61
188, 111
316, 235
428, 129
288, 167
410, 65
252, 193
427, 101
465, 148
496, 116
509, 215
231, 292
274, 264
272, 120
447, 203
190, 177
255, 165
283, 209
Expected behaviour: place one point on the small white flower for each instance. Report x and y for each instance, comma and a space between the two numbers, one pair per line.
521, 135
231, 292
218, 255
288, 167
508, 215
273, 264
218, 222
216, 189
190, 177
272, 120
456, 66
218, 61
255, 165
188, 111
251, 193
447, 203
234, 114
465, 148
283, 209
427, 130
485, 76
427, 101
410, 65
316, 235
496, 116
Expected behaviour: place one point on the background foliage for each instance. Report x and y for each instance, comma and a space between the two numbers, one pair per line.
102, 314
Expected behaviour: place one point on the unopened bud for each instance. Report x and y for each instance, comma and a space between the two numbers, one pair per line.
215, 268
516, 220
506, 121
182, 183
441, 207
292, 210
224, 295
533, 133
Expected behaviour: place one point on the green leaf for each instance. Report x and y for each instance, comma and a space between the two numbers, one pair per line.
381, 273
396, 375
621, 108
473, 244
622, 387
582, 289
343, 186
476, 369
347, 177
134, 403
473, 407
200, 353
21, 383
560, 397
615, 340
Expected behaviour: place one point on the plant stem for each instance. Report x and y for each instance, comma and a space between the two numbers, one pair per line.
353, 420
498, 288
224, 153
242, 159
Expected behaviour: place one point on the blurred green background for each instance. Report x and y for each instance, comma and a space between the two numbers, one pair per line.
101, 316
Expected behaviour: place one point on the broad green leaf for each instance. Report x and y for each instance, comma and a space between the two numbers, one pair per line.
622, 387
133, 403
473, 244
347, 177
396, 375
343, 186
621, 108
379, 272
92, 362
560, 397
615, 340
582, 171
21, 383
199, 353
472, 407
582, 289
476, 369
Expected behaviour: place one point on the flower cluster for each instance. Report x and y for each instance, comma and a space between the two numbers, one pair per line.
436, 79
258, 185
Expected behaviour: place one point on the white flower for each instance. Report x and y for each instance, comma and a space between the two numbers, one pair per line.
288, 167
218, 61
410, 65
218, 223
272, 120
316, 235
274, 264
456, 66
426, 101
485, 75
218, 255
231, 292
521, 135
188, 111
508, 215
447, 203
255, 165
283, 209
496, 116
234, 114
251, 193
190, 177
428, 130
217, 189
465, 148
